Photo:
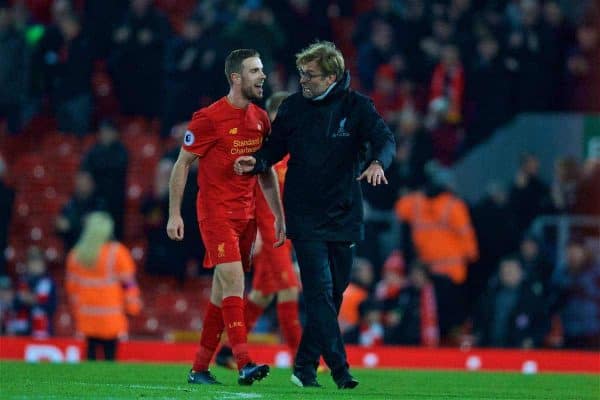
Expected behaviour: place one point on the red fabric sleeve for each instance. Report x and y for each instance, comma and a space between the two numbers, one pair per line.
201, 135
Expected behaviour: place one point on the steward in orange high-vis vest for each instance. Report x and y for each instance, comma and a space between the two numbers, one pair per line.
442, 232
101, 286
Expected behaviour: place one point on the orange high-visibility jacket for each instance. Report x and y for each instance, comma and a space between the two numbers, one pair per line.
101, 295
442, 232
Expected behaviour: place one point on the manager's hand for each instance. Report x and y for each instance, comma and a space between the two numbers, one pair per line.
374, 174
244, 164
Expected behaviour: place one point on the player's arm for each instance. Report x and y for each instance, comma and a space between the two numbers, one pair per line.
269, 184
273, 149
177, 183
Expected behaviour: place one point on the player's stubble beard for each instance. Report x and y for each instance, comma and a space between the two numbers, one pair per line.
248, 92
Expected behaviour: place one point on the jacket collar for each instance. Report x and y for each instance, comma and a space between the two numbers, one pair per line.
335, 90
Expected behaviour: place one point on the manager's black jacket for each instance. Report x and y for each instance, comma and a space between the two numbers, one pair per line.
326, 140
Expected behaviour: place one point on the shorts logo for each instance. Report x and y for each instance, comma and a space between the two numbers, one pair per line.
221, 250
188, 138
233, 131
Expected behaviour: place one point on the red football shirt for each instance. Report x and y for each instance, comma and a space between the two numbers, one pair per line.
219, 134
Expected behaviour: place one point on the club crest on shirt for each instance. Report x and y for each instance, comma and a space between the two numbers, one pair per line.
259, 126
221, 250
233, 131
341, 130
188, 138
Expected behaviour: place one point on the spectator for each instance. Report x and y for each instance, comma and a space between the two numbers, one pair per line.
448, 82
415, 148
487, 92
7, 197
101, 286
190, 68
512, 311
66, 56
107, 161
564, 187
7, 305
256, 28
13, 69
578, 286
84, 200
369, 331
536, 268
495, 239
165, 257
528, 195
442, 235
588, 193
393, 278
135, 61
36, 297
386, 95
419, 315
530, 57
375, 52
294, 16
441, 227
383, 11
581, 74
358, 290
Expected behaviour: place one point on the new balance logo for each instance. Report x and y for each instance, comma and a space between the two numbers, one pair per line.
221, 250
233, 131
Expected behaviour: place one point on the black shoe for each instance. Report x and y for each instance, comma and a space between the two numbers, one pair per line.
202, 378
224, 358
347, 382
252, 372
304, 381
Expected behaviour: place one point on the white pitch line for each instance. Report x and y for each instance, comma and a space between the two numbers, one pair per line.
239, 395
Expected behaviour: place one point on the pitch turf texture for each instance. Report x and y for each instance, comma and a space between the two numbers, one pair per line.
118, 381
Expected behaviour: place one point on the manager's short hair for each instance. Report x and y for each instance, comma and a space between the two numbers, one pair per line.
328, 57
233, 62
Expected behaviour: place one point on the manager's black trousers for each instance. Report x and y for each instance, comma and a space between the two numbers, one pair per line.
325, 273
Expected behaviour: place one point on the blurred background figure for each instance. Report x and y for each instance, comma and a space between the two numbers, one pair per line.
35, 298
101, 286
442, 234
84, 200
7, 198
107, 161
512, 312
578, 303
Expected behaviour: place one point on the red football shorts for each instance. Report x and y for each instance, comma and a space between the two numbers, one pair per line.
273, 269
228, 241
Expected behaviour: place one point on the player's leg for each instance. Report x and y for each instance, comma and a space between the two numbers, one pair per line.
213, 326
256, 303
288, 316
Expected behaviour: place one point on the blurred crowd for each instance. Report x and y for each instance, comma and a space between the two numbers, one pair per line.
443, 73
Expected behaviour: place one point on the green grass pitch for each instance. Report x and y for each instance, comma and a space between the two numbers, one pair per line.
19, 380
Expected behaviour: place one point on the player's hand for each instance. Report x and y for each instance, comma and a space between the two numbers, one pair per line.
244, 164
175, 228
374, 175
279, 232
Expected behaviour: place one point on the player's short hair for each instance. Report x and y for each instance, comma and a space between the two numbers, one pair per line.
327, 56
273, 102
233, 62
